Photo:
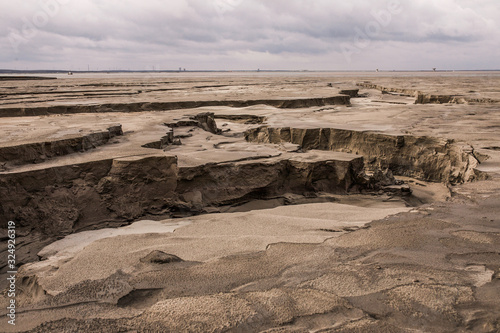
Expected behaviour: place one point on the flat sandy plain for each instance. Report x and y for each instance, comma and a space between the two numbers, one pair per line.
253, 202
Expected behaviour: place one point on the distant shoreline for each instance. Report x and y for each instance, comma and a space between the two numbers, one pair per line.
12, 71
22, 78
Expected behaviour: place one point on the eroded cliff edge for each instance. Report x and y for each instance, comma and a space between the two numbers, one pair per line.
426, 158
53, 202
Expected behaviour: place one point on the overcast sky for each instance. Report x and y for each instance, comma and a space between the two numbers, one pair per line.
250, 34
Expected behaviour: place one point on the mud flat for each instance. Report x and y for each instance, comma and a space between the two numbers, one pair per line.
259, 203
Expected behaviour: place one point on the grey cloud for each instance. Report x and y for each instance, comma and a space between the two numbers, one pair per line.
239, 33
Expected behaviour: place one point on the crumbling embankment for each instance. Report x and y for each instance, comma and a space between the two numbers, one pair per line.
232, 183
54, 202
453, 99
425, 98
289, 103
426, 158
40, 151
399, 91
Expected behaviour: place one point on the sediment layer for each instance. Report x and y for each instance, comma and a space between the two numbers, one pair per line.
454, 99
400, 91
426, 98
40, 151
427, 158
349, 92
229, 183
25, 78
58, 201
242, 118
165, 106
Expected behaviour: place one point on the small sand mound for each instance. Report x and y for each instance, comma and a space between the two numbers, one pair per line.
160, 257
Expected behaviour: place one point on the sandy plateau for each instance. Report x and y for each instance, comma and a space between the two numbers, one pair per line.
253, 202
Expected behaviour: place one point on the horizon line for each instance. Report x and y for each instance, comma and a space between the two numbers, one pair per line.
55, 71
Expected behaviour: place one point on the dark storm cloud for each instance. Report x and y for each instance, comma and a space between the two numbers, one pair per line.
294, 34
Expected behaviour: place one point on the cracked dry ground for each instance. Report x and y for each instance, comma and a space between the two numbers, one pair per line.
266, 203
